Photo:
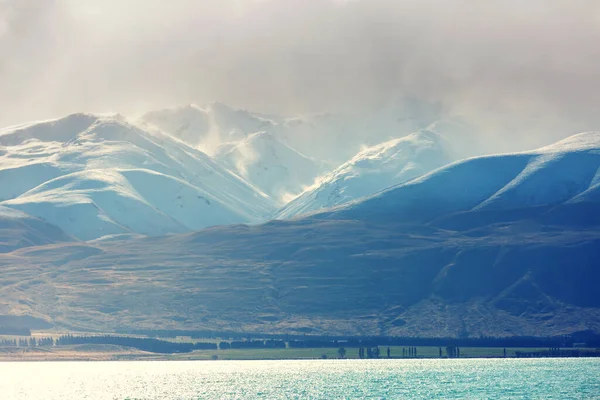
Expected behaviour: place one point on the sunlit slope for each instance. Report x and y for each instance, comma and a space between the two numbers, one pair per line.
372, 170
550, 180
271, 165
93, 176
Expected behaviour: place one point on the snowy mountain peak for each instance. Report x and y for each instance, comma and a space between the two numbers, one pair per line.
55, 130
206, 127
411, 144
94, 176
371, 170
190, 124
271, 165
580, 141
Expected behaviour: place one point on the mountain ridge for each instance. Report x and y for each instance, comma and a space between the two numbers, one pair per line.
371, 170
85, 174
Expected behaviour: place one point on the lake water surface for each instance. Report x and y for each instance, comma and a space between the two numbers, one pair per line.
318, 379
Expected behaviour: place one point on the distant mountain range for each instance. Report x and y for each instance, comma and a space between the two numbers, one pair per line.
97, 175
492, 245
332, 138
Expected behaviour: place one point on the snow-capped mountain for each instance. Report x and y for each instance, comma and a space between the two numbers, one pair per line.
207, 127
371, 170
332, 138
461, 138
271, 165
549, 180
496, 245
94, 176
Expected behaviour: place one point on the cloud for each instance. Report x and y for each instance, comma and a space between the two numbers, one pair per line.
511, 65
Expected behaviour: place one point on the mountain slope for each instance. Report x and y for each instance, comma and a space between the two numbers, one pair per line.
556, 175
322, 277
247, 143
373, 169
497, 245
94, 176
270, 165
18, 230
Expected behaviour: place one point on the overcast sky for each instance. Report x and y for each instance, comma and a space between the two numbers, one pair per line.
514, 64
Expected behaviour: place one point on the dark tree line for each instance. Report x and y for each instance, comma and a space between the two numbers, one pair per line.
410, 352
46, 341
556, 352
370, 352
453, 351
205, 334
253, 344
32, 342
144, 344
411, 343
164, 346
317, 341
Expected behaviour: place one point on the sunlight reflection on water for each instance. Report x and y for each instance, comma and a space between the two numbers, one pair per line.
315, 379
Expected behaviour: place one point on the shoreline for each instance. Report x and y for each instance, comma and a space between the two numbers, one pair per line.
71, 354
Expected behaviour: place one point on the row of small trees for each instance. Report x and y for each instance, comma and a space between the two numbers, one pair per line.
451, 352
409, 352
252, 344
31, 342
370, 352
162, 346
412, 342
144, 344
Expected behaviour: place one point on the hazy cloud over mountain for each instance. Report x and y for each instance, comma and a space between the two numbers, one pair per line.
512, 66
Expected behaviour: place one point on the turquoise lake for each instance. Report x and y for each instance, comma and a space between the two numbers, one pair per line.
310, 379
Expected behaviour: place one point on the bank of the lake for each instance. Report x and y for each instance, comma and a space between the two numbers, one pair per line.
117, 353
